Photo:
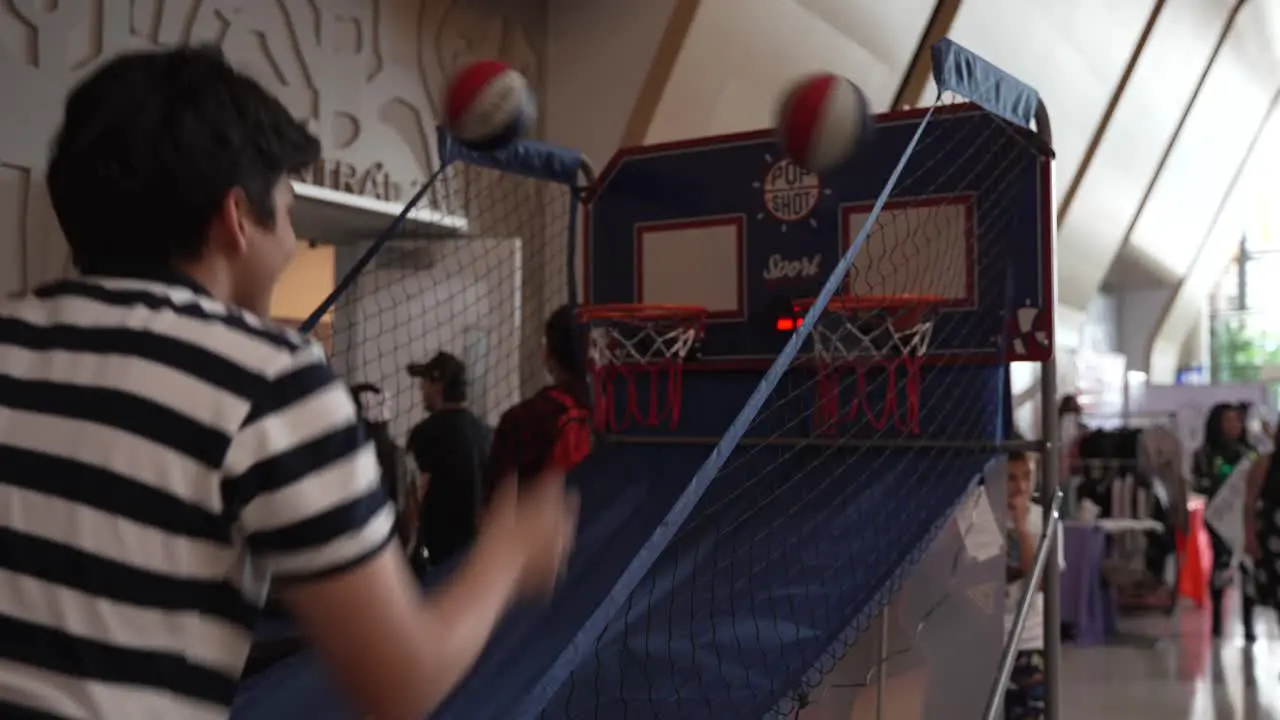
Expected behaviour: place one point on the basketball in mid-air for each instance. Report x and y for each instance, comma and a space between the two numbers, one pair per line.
822, 121
489, 105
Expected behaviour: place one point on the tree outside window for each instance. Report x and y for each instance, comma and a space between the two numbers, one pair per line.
1241, 349
1245, 311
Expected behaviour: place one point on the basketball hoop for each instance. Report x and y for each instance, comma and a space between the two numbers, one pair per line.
862, 333
626, 340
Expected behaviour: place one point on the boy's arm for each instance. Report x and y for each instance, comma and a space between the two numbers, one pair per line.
305, 490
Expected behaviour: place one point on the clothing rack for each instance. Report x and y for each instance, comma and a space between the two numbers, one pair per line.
1135, 480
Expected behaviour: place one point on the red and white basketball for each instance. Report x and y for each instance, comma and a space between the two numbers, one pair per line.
489, 105
822, 120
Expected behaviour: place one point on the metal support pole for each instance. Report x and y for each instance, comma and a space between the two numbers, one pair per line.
1049, 487
881, 674
1049, 479
1009, 654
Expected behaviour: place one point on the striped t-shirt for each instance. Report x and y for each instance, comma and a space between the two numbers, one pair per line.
162, 456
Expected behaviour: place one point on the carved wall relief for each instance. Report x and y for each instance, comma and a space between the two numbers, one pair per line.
366, 74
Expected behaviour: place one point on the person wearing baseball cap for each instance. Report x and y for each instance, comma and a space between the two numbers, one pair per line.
450, 447
447, 376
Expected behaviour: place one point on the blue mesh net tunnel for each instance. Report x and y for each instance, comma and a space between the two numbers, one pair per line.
727, 559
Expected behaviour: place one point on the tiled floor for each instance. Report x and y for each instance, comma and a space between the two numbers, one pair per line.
1182, 676
1159, 669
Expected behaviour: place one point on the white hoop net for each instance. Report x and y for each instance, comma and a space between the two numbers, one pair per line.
627, 344
622, 344
849, 335
892, 338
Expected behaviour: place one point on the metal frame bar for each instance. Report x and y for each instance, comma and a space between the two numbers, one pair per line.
882, 677
1048, 547
1032, 446
1050, 487
1050, 476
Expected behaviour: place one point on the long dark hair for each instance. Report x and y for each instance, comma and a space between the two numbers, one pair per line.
564, 346
1214, 440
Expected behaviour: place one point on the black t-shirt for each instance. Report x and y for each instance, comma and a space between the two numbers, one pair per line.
450, 446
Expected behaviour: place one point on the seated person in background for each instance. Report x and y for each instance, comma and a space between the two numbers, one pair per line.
1225, 446
449, 447
1024, 697
375, 414
552, 429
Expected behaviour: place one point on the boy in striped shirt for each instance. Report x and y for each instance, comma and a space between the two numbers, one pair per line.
165, 452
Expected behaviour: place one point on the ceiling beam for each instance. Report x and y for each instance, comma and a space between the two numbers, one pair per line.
660, 70
1182, 121
1110, 112
917, 76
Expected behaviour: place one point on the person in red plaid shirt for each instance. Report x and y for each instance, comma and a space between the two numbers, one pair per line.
552, 429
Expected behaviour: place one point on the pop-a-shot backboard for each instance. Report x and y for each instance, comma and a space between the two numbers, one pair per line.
727, 223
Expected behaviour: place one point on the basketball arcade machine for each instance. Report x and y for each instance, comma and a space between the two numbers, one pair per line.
734, 544
814, 347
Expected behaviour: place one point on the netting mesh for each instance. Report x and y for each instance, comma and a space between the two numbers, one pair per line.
482, 295
814, 519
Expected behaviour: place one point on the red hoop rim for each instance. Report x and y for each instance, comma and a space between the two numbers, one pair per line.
862, 303
640, 311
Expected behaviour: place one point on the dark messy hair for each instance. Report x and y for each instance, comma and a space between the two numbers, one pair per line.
150, 145
453, 379
560, 334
